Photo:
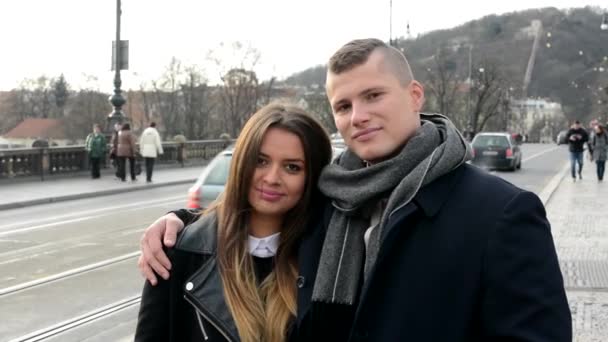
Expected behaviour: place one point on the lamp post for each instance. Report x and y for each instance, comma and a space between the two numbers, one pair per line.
117, 100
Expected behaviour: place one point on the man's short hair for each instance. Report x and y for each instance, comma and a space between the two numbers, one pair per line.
152, 124
576, 122
357, 52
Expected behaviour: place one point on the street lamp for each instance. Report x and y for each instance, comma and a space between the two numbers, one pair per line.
117, 100
604, 25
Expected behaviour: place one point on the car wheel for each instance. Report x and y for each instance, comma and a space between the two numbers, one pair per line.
519, 165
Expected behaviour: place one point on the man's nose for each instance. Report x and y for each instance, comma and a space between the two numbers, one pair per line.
359, 115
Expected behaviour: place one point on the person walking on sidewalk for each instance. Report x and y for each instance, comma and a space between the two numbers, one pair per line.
598, 149
577, 137
95, 144
125, 149
150, 147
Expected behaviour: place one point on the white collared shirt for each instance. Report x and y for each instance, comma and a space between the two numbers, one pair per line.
265, 247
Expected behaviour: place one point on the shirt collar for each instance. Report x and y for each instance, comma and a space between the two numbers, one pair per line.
264, 247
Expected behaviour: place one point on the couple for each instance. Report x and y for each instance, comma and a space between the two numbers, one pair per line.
397, 240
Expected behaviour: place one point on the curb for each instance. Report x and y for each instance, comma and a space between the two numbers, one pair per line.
22, 204
549, 190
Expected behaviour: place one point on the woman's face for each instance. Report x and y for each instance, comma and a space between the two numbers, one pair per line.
279, 178
597, 129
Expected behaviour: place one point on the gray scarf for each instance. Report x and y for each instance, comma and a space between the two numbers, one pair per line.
436, 149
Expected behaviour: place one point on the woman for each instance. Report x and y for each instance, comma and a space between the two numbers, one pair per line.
235, 268
599, 150
125, 149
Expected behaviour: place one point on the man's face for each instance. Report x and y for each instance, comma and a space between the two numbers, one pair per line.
373, 112
577, 125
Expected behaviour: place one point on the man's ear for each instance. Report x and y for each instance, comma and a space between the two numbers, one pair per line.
416, 90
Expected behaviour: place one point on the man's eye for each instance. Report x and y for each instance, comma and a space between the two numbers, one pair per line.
373, 96
342, 108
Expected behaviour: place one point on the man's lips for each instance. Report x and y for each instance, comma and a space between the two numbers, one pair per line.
364, 132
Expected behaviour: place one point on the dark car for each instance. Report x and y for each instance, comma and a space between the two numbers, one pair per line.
497, 151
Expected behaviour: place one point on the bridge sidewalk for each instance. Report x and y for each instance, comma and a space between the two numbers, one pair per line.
22, 193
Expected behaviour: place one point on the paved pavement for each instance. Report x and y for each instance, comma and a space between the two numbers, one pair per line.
578, 212
21, 193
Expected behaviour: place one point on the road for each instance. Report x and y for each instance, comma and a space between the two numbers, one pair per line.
68, 269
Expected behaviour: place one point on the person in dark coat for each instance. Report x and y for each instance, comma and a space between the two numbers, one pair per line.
126, 148
95, 144
414, 243
598, 149
576, 136
235, 266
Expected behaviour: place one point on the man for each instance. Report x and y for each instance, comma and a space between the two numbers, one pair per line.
577, 137
416, 245
150, 147
95, 144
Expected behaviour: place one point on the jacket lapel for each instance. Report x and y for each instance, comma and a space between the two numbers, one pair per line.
204, 288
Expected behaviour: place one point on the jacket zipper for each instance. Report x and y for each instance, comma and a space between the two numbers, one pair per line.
200, 312
200, 324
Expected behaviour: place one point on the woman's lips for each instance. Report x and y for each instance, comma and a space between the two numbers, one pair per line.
269, 195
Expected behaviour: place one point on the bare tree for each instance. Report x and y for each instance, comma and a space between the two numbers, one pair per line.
240, 91
88, 106
318, 104
197, 103
442, 82
165, 96
488, 92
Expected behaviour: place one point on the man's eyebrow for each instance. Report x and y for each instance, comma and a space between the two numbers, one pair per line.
370, 90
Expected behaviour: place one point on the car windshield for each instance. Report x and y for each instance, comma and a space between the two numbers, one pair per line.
491, 140
218, 172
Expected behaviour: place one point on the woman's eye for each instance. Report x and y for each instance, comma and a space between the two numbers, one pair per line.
262, 162
293, 167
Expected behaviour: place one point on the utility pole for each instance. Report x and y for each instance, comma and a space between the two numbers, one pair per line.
390, 24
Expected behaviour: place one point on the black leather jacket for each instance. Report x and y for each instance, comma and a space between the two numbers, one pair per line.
190, 306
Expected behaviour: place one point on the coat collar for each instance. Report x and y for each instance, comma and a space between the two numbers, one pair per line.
431, 198
204, 289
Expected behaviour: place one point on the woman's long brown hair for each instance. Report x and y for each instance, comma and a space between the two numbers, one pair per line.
263, 313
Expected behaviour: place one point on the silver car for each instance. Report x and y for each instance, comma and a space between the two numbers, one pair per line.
212, 180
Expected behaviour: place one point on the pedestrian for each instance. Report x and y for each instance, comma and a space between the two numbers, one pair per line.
114, 146
577, 137
150, 147
238, 261
598, 148
415, 244
95, 144
126, 149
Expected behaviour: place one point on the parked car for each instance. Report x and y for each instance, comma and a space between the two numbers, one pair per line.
496, 150
561, 137
212, 180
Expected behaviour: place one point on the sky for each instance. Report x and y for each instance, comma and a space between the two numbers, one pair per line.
74, 37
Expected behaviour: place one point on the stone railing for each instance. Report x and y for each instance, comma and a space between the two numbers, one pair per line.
50, 161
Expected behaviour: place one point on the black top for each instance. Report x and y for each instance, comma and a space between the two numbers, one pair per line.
576, 139
262, 267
